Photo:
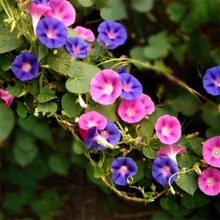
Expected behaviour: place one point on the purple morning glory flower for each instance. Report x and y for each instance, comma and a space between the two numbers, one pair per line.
77, 47
163, 168
211, 81
122, 70
131, 87
123, 168
112, 34
25, 66
102, 139
40, 1
51, 32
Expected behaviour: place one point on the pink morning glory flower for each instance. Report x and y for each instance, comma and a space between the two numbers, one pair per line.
211, 81
168, 129
122, 168
37, 9
171, 151
6, 97
211, 151
209, 182
92, 119
85, 33
148, 103
63, 11
25, 66
105, 87
131, 111
163, 168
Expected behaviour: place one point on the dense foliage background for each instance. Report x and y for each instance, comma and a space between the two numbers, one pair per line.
42, 164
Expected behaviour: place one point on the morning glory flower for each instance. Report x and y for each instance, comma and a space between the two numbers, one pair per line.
51, 32
41, 1
85, 33
163, 168
211, 81
77, 47
102, 139
168, 129
92, 119
112, 34
122, 168
122, 70
63, 11
211, 151
25, 66
209, 182
149, 105
105, 87
131, 111
131, 87
6, 97
171, 151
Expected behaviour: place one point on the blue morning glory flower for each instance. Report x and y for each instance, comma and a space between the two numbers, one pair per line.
122, 70
211, 81
122, 168
40, 1
131, 87
25, 66
51, 32
102, 139
77, 47
112, 34
163, 168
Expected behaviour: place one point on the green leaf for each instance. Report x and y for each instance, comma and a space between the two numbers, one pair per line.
24, 157
59, 164
12, 203
47, 205
195, 144
9, 40
137, 53
41, 51
187, 159
98, 171
7, 122
16, 89
149, 152
176, 10
115, 10
188, 182
141, 170
21, 110
42, 130
211, 132
70, 106
60, 62
46, 95
86, 3
142, 5
28, 124
78, 147
47, 109
80, 74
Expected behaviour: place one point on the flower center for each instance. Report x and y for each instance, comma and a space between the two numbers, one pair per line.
216, 152
130, 112
26, 67
123, 170
104, 134
108, 89
166, 170
210, 181
51, 34
127, 88
165, 131
217, 82
111, 35
76, 50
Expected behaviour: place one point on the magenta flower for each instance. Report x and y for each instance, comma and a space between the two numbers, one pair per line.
123, 168
211, 81
131, 111
63, 11
148, 103
51, 32
92, 119
209, 182
37, 9
25, 66
77, 47
102, 139
85, 33
112, 34
171, 151
105, 87
211, 151
6, 97
168, 129
163, 168
131, 87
